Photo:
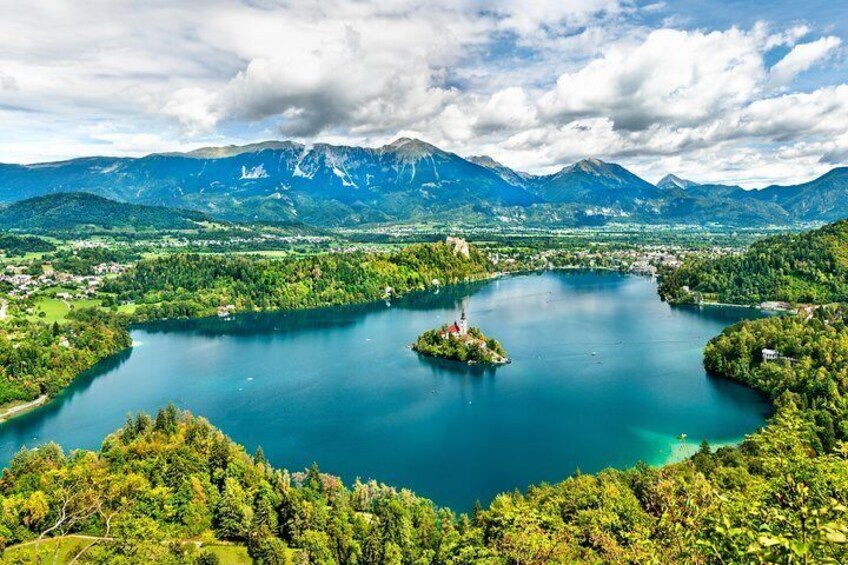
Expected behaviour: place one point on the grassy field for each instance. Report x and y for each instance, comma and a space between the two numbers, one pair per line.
56, 310
230, 554
56, 550
16, 259
127, 308
63, 550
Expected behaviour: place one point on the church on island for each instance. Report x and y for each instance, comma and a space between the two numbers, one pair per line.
460, 342
457, 329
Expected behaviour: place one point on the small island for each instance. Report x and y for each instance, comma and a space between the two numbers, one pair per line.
458, 342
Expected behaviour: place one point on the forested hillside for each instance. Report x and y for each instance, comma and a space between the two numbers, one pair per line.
810, 267
66, 211
16, 245
813, 373
195, 285
38, 358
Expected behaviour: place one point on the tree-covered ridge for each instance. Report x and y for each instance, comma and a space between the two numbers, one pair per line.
37, 358
188, 285
810, 267
67, 211
14, 245
177, 478
472, 348
813, 371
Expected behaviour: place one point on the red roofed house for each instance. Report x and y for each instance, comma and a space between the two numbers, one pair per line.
460, 329
453, 329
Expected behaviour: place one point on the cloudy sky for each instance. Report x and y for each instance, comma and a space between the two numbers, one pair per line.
713, 90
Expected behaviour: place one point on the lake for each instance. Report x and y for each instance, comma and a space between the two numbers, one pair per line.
603, 374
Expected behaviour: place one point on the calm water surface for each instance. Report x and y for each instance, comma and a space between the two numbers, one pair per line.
603, 374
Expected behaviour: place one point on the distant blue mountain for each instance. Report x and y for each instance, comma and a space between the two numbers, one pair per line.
594, 183
322, 184
673, 181
410, 180
824, 199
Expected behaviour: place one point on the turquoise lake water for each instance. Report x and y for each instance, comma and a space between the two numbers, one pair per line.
340, 387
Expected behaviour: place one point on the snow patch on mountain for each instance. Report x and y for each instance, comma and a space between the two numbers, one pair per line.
253, 173
345, 178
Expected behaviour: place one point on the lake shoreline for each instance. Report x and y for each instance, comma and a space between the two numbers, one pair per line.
19, 409
273, 372
43, 400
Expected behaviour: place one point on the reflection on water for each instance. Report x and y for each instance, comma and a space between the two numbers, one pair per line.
317, 319
603, 374
727, 315
445, 367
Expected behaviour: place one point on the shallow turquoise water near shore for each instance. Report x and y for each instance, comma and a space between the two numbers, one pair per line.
340, 387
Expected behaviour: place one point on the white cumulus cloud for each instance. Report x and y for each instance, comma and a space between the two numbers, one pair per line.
674, 77
802, 57
534, 84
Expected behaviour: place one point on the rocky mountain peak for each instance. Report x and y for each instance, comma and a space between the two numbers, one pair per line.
411, 148
672, 181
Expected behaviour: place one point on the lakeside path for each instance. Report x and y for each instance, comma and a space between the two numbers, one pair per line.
20, 408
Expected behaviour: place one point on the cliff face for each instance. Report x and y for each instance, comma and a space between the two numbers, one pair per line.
460, 246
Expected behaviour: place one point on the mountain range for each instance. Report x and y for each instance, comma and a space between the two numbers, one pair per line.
410, 180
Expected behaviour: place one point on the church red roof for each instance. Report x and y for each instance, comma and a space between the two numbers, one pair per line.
453, 328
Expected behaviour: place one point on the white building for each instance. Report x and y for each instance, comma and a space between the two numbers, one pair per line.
771, 355
457, 328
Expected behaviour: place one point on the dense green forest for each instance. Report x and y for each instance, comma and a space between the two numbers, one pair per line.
38, 358
17, 245
813, 373
810, 267
189, 285
474, 348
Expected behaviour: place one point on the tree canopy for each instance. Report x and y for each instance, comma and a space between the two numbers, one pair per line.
810, 267
38, 358
189, 285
